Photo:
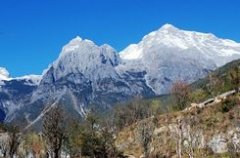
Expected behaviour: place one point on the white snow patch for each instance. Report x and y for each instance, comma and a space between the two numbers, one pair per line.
208, 45
35, 79
131, 52
4, 74
229, 52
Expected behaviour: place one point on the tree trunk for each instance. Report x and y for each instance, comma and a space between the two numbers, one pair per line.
56, 153
4, 154
180, 145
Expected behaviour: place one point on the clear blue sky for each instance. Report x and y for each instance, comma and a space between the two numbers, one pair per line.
32, 32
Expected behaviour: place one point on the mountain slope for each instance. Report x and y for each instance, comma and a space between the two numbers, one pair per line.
217, 82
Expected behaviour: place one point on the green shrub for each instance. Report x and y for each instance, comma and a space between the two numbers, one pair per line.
199, 95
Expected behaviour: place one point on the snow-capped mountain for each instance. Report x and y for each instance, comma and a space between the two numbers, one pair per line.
84, 56
15, 92
218, 50
86, 75
29, 79
171, 54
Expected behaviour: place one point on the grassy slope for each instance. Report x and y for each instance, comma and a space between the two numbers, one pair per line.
222, 74
213, 119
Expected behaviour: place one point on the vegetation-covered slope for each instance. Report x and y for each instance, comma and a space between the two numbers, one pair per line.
212, 127
209, 131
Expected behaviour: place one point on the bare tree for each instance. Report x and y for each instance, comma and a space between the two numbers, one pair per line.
193, 136
97, 140
132, 112
145, 131
181, 93
177, 135
9, 141
14, 140
4, 143
233, 144
53, 131
33, 143
188, 137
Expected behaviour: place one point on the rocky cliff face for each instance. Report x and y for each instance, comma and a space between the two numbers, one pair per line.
85, 75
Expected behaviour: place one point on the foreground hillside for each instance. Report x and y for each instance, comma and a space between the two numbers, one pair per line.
210, 131
207, 128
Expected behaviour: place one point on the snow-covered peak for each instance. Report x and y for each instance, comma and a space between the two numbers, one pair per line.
132, 52
170, 37
76, 44
4, 74
86, 57
168, 27
78, 38
84, 47
30, 79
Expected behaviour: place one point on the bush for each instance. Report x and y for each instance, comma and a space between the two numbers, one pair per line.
228, 104
199, 95
181, 95
136, 110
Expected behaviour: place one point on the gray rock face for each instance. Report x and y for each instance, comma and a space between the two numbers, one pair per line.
86, 75
94, 69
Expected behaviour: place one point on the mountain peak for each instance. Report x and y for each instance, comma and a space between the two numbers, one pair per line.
85, 57
107, 47
168, 27
168, 37
77, 43
4, 74
76, 39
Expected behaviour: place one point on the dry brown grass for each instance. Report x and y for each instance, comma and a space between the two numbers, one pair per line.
212, 121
